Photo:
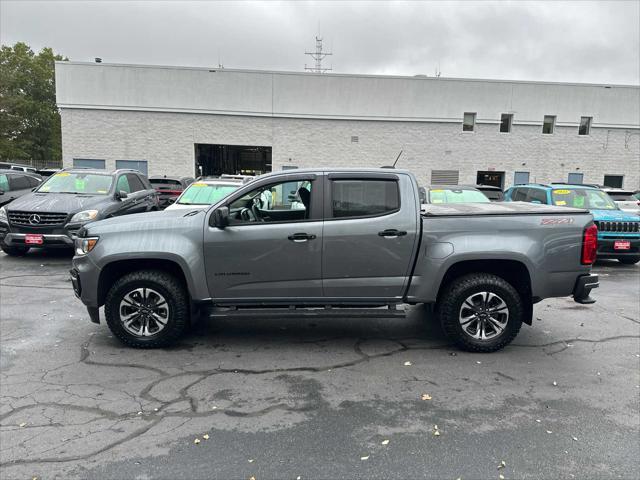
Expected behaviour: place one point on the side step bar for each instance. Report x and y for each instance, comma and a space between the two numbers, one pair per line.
391, 311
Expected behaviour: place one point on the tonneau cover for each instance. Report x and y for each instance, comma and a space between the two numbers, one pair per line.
496, 208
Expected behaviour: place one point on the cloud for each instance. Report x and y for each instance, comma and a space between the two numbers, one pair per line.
554, 41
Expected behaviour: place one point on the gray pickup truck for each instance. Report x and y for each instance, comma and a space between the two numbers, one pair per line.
334, 242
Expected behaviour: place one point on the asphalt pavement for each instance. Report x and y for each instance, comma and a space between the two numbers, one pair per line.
326, 398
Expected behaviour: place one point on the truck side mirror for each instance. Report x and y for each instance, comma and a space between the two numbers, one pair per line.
220, 218
121, 195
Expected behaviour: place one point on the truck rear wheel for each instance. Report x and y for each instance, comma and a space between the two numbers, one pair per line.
480, 312
147, 309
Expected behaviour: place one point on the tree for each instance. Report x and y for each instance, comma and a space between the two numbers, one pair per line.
29, 118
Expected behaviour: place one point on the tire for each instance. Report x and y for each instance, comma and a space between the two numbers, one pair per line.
629, 260
14, 251
465, 297
125, 315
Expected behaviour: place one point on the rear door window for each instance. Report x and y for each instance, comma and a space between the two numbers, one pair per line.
135, 183
520, 195
19, 182
536, 195
364, 197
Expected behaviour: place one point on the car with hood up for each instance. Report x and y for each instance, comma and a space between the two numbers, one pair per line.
51, 215
618, 230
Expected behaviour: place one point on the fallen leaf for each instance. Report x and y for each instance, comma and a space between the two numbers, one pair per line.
407, 364
436, 433
502, 465
364, 458
478, 362
252, 477
555, 384
435, 427
139, 413
549, 431
196, 441
205, 436
501, 477
385, 442
251, 460
214, 407
298, 477
574, 439
155, 409
538, 420
426, 396
22, 424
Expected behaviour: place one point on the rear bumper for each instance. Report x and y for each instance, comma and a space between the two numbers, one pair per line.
605, 247
584, 285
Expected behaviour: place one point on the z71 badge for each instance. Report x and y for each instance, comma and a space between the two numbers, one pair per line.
557, 221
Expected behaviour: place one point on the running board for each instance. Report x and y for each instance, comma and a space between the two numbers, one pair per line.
392, 311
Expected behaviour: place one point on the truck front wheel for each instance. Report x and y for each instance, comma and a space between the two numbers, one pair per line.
480, 312
147, 309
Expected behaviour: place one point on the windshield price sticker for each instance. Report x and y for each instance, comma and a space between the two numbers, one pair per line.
562, 192
63, 174
198, 184
560, 202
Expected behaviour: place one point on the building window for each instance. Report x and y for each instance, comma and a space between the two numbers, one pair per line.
140, 165
575, 178
445, 177
548, 124
469, 122
585, 126
88, 163
355, 139
520, 178
506, 120
613, 181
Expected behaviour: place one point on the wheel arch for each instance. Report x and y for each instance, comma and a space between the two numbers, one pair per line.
512, 271
112, 271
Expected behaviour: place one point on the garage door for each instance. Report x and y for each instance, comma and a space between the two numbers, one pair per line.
444, 177
140, 165
88, 163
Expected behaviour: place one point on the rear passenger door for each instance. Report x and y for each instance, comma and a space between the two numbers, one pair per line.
370, 233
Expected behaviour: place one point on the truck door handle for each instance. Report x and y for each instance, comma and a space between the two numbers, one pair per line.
392, 233
301, 237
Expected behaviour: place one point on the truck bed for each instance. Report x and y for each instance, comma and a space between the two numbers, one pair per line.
496, 208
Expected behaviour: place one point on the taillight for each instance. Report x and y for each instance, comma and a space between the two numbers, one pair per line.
589, 245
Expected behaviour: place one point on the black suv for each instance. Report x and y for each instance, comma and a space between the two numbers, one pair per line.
15, 184
51, 215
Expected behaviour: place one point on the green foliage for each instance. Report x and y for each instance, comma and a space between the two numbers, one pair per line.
29, 118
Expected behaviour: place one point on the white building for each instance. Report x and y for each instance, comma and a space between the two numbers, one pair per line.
187, 121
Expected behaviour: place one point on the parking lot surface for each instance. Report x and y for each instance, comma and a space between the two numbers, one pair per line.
336, 398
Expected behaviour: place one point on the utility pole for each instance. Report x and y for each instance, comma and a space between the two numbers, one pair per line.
318, 55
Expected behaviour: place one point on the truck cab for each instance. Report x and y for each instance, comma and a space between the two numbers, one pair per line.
618, 230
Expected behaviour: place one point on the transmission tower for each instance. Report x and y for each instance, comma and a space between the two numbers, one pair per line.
318, 55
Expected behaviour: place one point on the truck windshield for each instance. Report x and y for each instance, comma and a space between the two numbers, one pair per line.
587, 198
206, 193
457, 196
80, 183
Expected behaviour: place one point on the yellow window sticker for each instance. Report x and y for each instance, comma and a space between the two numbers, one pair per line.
63, 174
560, 202
46, 188
437, 200
102, 191
562, 192
198, 184
439, 191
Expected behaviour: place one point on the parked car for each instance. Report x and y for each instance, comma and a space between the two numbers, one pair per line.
205, 192
169, 188
360, 241
50, 216
492, 192
625, 199
17, 167
14, 184
618, 231
455, 194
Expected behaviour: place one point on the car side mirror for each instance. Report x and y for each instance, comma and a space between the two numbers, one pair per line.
121, 195
220, 218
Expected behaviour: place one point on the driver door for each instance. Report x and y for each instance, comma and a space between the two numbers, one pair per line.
271, 251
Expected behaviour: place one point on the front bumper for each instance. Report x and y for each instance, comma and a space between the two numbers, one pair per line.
606, 250
52, 237
583, 287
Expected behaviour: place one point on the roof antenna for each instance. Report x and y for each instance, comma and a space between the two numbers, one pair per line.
394, 163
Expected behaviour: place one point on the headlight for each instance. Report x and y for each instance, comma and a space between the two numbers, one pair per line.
3, 214
84, 216
85, 245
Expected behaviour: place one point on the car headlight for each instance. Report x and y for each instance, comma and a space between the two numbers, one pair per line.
85, 245
85, 216
3, 214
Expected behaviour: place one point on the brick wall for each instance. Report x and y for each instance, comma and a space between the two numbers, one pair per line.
166, 141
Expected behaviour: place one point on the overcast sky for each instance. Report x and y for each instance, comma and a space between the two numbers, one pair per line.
595, 42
